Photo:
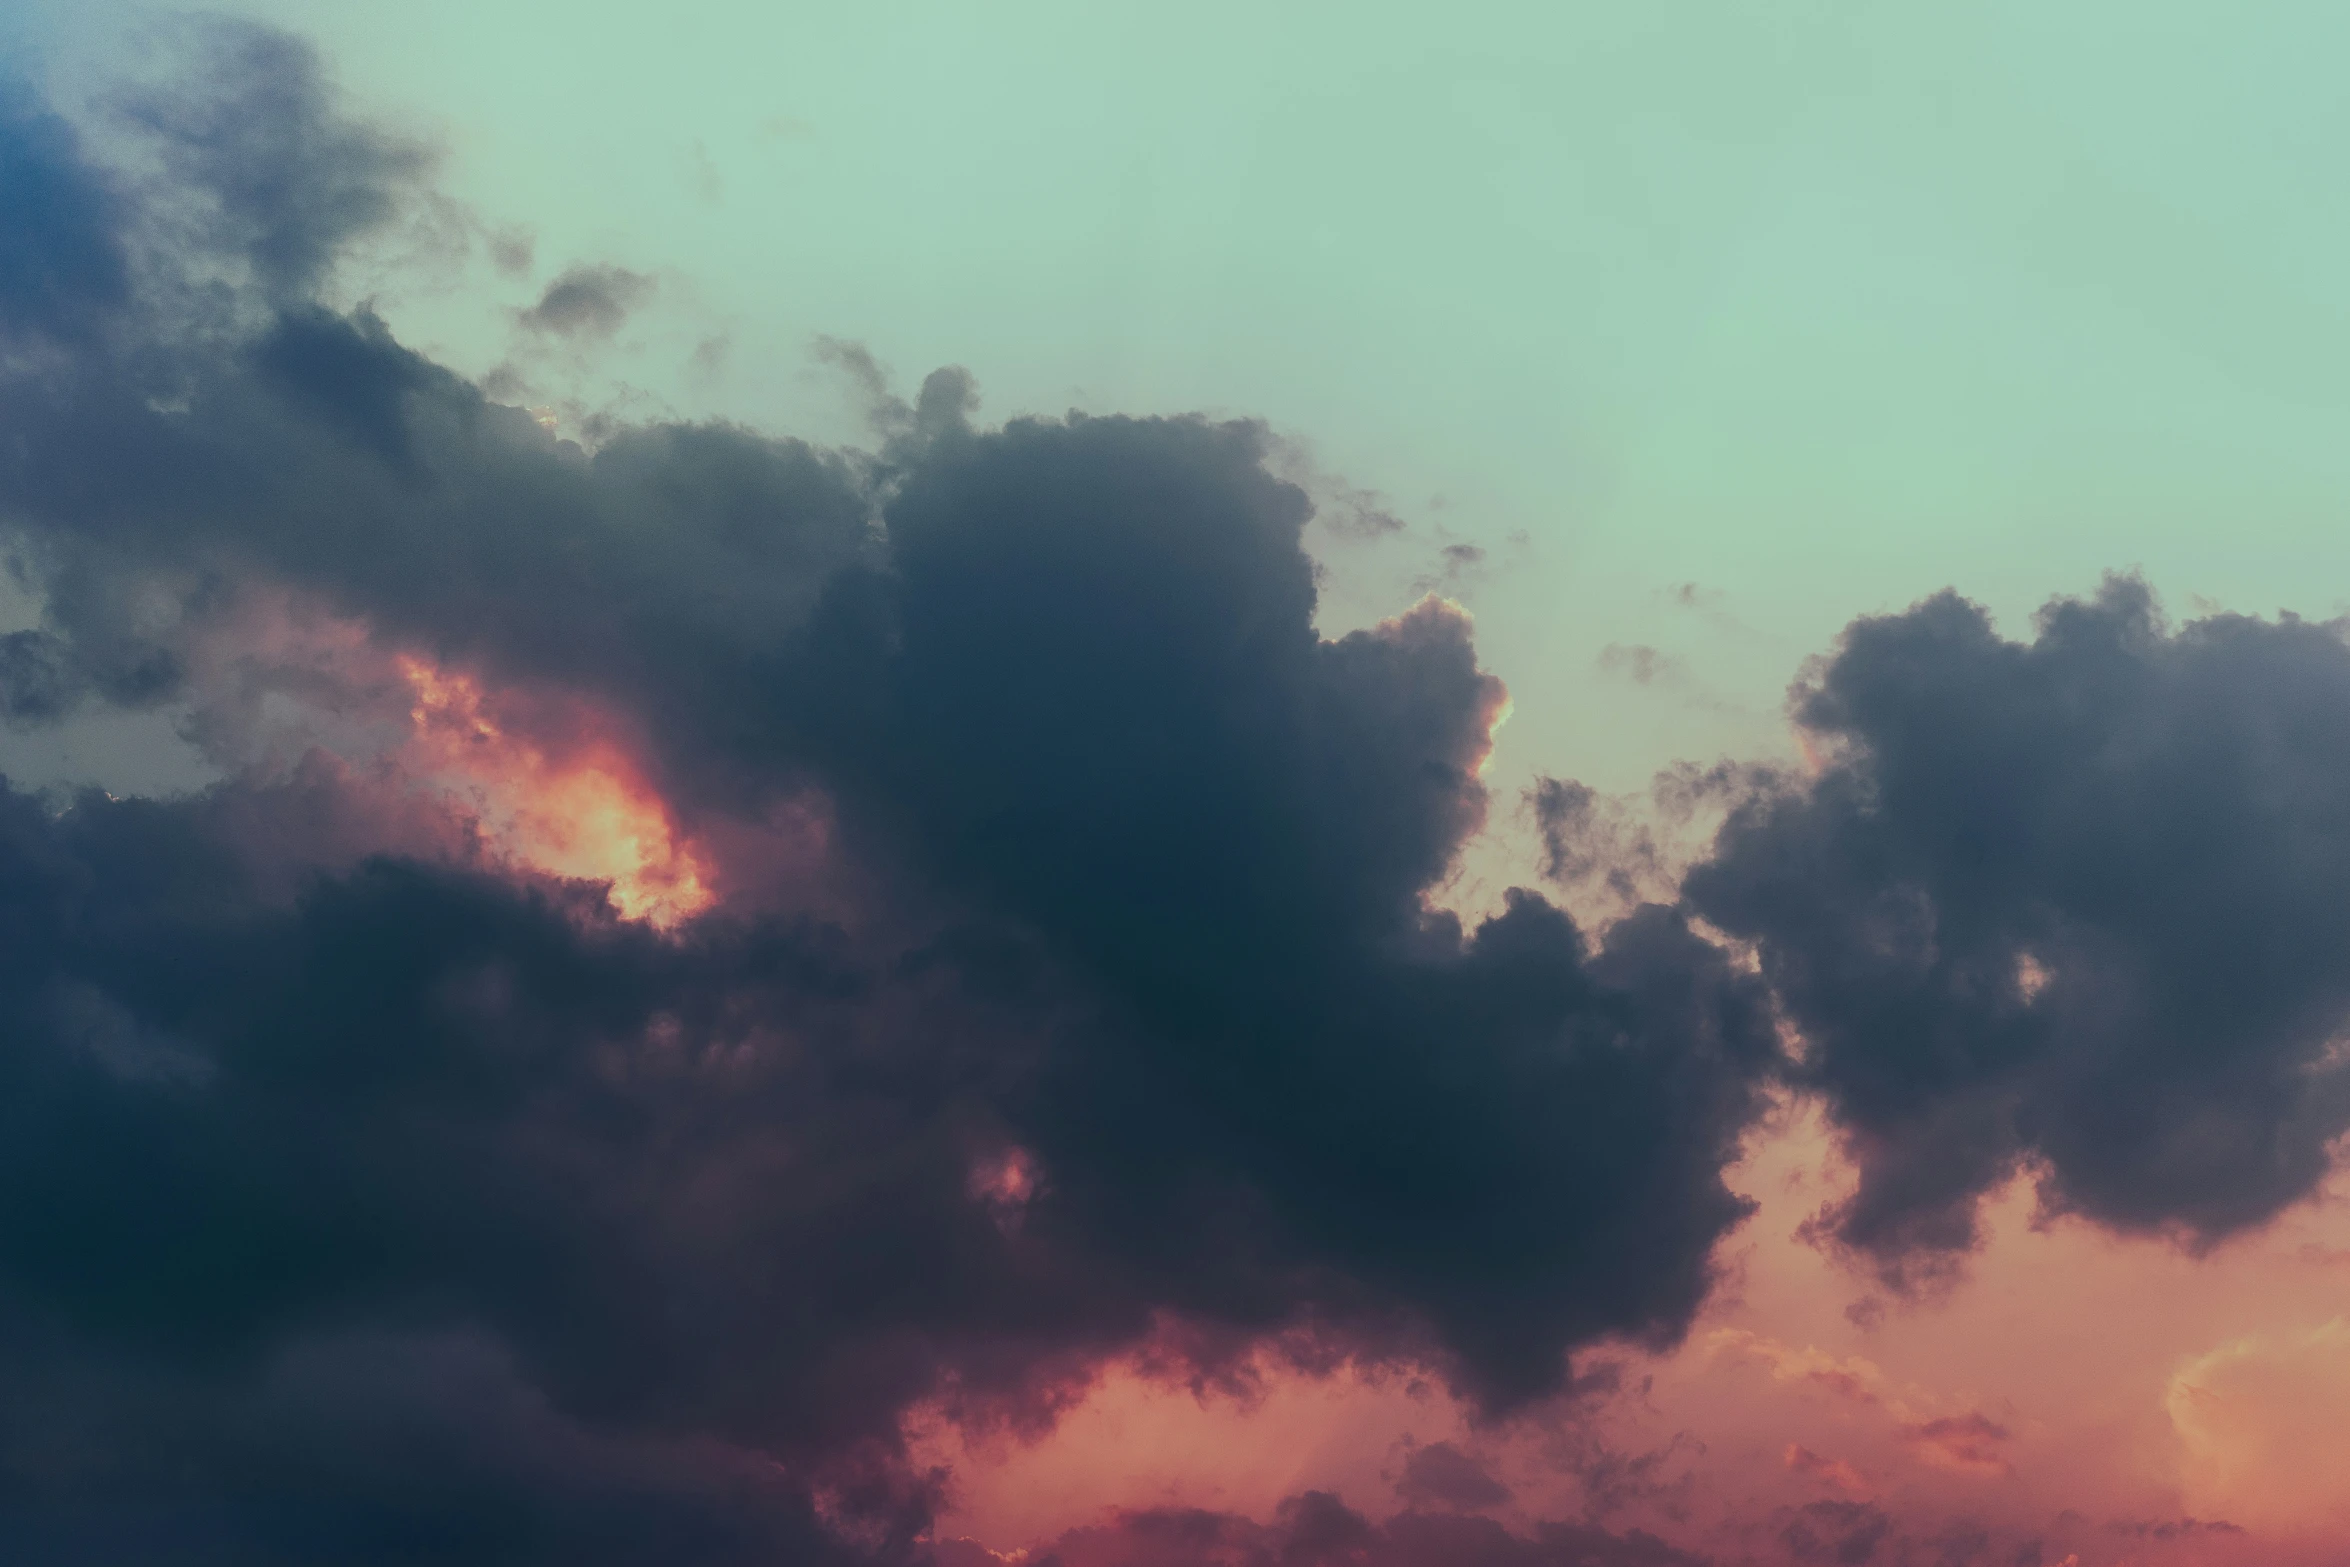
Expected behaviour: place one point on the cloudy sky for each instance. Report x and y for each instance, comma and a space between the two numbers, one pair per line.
1541, 786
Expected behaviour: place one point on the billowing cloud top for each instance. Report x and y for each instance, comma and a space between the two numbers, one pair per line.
2075, 904
1055, 974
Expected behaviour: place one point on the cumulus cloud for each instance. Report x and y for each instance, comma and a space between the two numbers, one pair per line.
2071, 906
708, 944
1055, 977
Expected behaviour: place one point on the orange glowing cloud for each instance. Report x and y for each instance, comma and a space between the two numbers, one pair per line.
1135, 1440
2262, 1432
2066, 1392
1007, 1182
1829, 1471
1963, 1444
580, 808
1854, 1380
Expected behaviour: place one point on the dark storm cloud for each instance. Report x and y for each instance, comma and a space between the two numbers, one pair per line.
62, 265
587, 302
1108, 713
367, 1450
363, 1195
364, 1198
2075, 905
420, 1205
37, 683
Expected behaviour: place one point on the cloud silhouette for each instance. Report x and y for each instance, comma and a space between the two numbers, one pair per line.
2073, 906
1059, 976
706, 943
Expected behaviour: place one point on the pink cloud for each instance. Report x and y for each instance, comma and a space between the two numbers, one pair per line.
1831, 1471
1963, 1444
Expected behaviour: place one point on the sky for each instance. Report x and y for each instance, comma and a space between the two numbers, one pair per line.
1091, 784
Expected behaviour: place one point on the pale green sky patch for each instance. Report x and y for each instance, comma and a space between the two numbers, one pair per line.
1819, 306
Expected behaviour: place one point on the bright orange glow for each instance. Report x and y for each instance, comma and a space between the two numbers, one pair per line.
584, 811
2261, 1433
2067, 1390
1500, 715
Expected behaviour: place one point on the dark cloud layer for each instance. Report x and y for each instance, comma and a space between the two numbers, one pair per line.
1316, 1529
646, 1206
367, 1199
2075, 905
62, 265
